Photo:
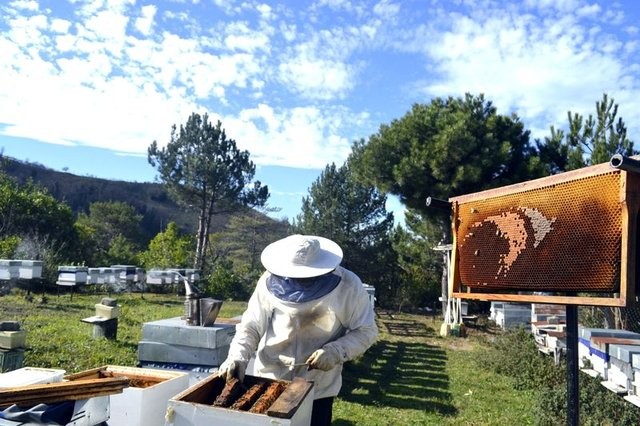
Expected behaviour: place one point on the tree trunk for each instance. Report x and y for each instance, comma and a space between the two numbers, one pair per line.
200, 240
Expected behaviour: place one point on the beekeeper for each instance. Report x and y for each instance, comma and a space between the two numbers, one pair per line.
305, 318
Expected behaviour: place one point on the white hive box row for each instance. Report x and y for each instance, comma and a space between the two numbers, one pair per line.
614, 356
75, 275
172, 276
23, 269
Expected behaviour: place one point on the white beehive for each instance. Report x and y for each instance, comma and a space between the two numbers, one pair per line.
9, 269
30, 269
144, 401
30, 376
72, 275
193, 407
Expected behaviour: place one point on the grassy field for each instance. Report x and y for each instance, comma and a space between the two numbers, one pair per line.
411, 376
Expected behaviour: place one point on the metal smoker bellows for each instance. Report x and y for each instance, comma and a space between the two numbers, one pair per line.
564, 233
199, 310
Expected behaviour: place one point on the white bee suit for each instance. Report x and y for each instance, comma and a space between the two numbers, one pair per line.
282, 333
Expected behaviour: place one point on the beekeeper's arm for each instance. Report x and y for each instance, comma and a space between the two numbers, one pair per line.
357, 316
249, 331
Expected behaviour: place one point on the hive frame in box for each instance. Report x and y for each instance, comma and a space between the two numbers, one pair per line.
629, 199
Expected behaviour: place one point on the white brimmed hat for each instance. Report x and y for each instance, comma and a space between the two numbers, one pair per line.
301, 256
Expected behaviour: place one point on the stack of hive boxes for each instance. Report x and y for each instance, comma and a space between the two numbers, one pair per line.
173, 344
12, 344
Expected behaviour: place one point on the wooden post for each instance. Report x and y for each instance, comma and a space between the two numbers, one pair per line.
573, 392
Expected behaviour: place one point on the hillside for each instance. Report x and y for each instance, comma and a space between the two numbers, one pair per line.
149, 199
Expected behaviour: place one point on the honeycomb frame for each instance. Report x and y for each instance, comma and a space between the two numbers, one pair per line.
568, 238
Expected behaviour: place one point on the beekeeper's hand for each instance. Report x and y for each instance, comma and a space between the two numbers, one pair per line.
232, 368
324, 359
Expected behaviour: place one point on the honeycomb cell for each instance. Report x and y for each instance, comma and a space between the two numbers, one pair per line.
565, 236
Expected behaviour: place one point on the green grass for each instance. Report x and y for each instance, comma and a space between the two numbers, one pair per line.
411, 376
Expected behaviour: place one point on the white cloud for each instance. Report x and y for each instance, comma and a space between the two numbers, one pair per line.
144, 22
537, 68
303, 137
286, 80
31, 5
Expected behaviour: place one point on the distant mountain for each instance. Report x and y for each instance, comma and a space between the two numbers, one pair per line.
150, 200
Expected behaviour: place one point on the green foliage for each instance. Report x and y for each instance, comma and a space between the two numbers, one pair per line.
598, 406
244, 238
201, 167
112, 229
8, 246
354, 216
34, 225
225, 284
515, 354
588, 141
449, 147
420, 266
168, 249
78, 192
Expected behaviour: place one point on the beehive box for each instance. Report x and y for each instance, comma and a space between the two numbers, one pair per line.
145, 400
30, 376
601, 347
9, 269
72, 275
620, 375
30, 269
585, 350
158, 277
13, 339
510, 315
195, 406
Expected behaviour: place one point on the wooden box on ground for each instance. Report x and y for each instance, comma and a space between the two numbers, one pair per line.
144, 402
195, 407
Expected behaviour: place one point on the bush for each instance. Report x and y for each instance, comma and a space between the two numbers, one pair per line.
598, 406
514, 354
225, 284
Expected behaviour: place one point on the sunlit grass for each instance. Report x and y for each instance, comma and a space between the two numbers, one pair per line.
411, 376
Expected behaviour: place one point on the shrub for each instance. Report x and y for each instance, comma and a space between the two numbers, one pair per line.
514, 353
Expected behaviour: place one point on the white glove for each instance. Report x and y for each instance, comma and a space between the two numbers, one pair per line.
232, 368
324, 359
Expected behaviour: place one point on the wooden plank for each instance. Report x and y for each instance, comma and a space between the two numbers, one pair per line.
531, 298
56, 392
536, 183
288, 402
71, 396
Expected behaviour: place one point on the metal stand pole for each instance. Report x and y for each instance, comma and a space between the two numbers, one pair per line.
573, 392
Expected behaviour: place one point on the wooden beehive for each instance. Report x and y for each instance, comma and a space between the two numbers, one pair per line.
289, 403
563, 235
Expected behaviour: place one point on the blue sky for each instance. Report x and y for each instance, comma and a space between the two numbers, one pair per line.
86, 86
